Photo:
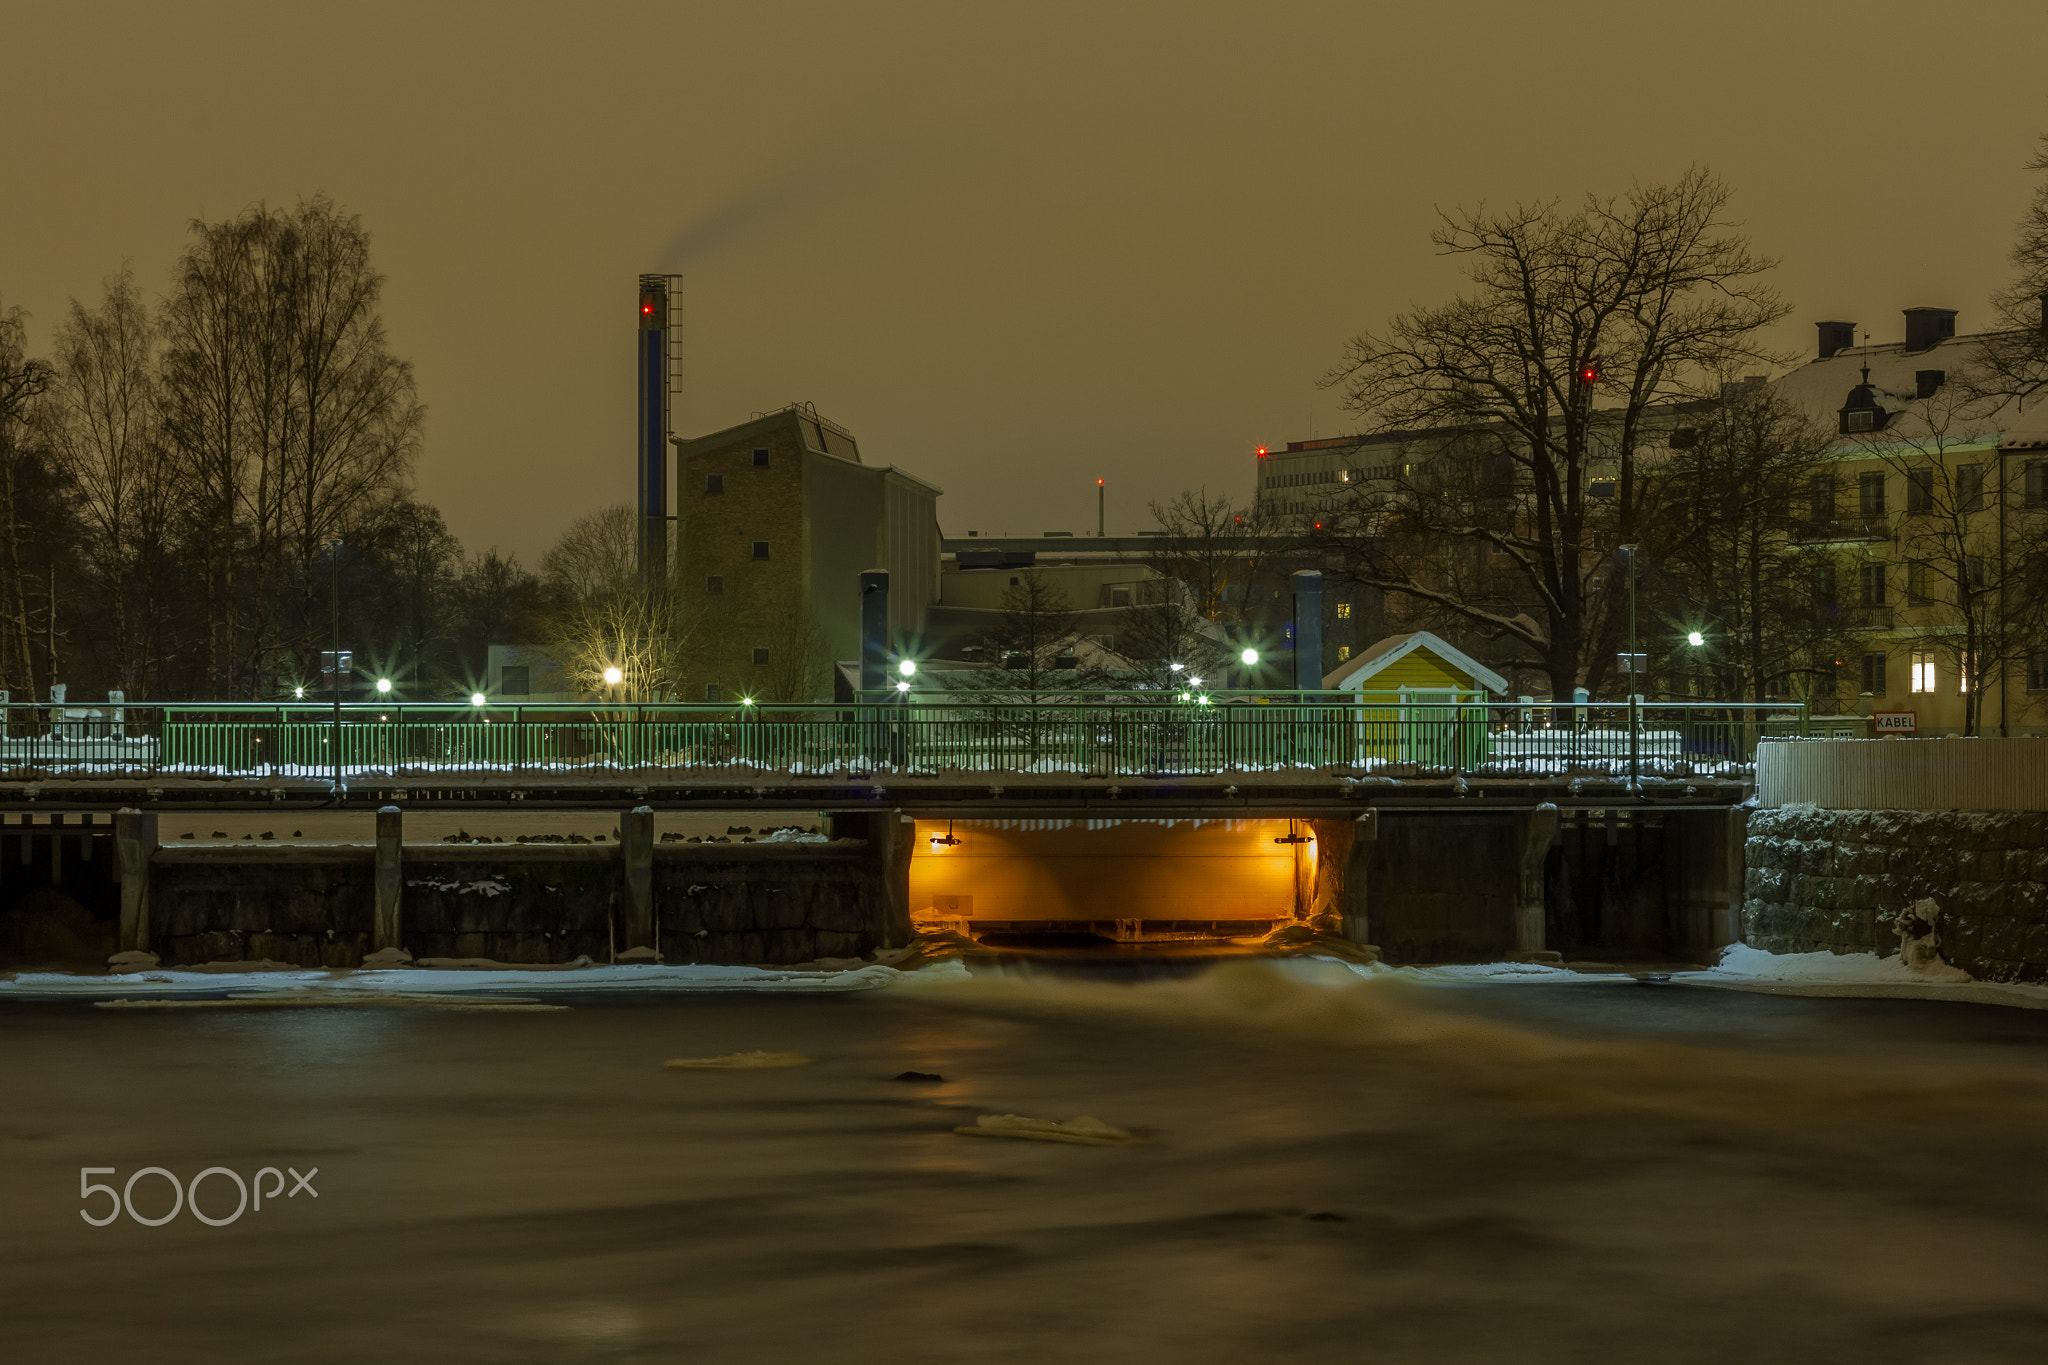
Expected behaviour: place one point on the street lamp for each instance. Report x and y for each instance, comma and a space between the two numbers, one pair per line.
476, 699
1249, 657
384, 687
908, 668
1695, 638
613, 676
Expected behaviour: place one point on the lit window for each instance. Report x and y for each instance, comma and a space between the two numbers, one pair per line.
1343, 653
1923, 671
1343, 611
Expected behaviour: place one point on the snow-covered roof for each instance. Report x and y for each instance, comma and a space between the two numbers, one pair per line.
1396, 647
1821, 387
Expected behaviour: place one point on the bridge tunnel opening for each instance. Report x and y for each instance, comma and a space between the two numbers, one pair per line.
1075, 882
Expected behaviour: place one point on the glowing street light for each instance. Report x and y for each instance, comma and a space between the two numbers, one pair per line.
612, 676
907, 668
903, 687
1695, 639
476, 699
1249, 657
299, 693
384, 686
1175, 668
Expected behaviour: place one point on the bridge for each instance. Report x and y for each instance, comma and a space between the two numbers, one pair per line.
1213, 750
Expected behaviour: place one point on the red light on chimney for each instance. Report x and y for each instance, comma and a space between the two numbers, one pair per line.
646, 308
1262, 452
1098, 483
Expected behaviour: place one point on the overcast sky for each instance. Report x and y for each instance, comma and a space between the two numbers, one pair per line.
1014, 247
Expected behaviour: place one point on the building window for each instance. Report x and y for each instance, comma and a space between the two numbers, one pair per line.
2037, 670
760, 657
714, 484
1859, 419
514, 680
1343, 653
760, 457
1343, 611
712, 692
1973, 566
2037, 483
1970, 487
1870, 494
1964, 668
1821, 497
1919, 490
1873, 673
1916, 585
1823, 583
1873, 585
1923, 671
760, 549
715, 584
1119, 597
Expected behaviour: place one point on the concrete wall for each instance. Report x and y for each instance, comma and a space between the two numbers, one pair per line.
1834, 880
730, 904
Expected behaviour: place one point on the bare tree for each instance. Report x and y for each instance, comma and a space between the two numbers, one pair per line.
101, 419
1216, 546
23, 380
1973, 587
1728, 559
2013, 362
1577, 326
600, 617
287, 414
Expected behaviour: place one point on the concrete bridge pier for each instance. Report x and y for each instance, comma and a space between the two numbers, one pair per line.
387, 925
889, 835
135, 836
1535, 832
1710, 852
636, 849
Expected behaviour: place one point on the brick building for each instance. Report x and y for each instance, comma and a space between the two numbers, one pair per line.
776, 519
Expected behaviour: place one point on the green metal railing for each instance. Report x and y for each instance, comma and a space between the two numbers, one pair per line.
1115, 735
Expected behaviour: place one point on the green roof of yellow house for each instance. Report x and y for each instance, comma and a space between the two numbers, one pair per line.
1416, 660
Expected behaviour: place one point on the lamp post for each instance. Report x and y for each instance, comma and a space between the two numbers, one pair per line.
334, 659
1634, 662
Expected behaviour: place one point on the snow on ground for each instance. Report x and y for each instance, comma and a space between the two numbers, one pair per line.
1743, 968
171, 982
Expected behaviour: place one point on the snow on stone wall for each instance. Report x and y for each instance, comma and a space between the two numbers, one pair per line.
1836, 880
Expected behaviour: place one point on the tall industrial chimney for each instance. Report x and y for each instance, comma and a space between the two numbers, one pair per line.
653, 461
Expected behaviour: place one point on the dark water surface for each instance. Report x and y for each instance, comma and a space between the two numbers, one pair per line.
1330, 1173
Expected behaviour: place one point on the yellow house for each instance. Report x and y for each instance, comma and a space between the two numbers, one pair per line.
1409, 687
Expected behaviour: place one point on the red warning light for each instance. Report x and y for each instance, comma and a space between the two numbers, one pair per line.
646, 309
1589, 375
1262, 452
1098, 483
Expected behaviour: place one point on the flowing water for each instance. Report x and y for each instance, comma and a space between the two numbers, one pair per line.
1327, 1170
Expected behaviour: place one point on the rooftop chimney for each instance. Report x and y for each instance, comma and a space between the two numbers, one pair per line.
1840, 336
1925, 382
1926, 326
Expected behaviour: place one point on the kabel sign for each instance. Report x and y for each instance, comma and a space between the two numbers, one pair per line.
1894, 722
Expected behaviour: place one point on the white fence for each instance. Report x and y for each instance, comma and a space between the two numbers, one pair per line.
1904, 774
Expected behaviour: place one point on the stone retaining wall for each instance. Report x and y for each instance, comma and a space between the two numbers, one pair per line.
1834, 880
